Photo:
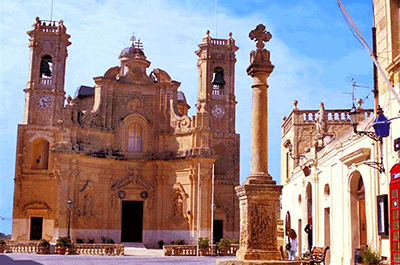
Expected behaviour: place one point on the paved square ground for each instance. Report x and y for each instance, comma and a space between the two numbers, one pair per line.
34, 259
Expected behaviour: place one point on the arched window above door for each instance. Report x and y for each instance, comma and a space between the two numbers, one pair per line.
135, 138
135, 134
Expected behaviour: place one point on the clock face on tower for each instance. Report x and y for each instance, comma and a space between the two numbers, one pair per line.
218, 111
43, 101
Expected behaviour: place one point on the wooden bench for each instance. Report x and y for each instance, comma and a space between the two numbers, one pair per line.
317, 256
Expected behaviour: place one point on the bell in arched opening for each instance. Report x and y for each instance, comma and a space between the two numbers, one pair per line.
218, 78
46, 66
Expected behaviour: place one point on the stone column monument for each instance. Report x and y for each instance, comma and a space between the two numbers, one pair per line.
259, 194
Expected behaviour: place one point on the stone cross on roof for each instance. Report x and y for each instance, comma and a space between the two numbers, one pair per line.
136, 43
260, 35
133, 38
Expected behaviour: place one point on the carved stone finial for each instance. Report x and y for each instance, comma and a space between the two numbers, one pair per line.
69, 100
284, 118
295, 102
260, 35
230, 34
208, 33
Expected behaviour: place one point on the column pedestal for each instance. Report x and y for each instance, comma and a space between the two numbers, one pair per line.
258, 226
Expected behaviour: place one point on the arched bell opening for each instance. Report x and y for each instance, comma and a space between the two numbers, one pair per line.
46, 67
40, 154
218, 81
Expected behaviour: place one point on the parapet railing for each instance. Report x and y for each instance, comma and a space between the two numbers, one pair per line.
218, 41
221, 42
191, 250
22, 247
80, 249
98, 249
49, 26
45, 81
331, 116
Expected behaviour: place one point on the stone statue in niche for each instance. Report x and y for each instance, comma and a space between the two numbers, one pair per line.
87, 207
179, 207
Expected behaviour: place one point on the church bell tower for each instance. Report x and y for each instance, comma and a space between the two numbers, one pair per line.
216, 64
44, 94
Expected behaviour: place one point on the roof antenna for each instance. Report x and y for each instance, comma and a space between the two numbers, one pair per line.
216, 13
354, 85
51, 11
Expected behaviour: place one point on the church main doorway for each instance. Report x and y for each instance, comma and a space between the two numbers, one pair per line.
36, 228
132, 221
218, 230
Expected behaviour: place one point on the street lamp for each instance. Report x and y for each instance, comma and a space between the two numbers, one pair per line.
69, 206
381, 126
290, 148
306, 169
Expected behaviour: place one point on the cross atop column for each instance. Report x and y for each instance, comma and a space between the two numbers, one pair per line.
260, 35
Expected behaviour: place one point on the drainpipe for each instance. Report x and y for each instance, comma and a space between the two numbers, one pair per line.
377, 145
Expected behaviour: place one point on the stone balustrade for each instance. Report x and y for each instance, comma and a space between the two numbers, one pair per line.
218, 42
98, 249
79, 249
45, 81
191, 250
22, 247
332, 116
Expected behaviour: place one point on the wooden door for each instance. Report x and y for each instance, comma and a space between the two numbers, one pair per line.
327, 213
363, 224
36, 228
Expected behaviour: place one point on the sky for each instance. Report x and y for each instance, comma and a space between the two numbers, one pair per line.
314, 53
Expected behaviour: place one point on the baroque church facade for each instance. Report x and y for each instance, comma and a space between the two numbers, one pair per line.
136, 167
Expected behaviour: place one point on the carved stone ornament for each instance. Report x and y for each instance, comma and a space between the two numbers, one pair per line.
179, 204
135, 178
261, 225
121, 194
179, 122
135, 105
260, 35
161, 76
136, 74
